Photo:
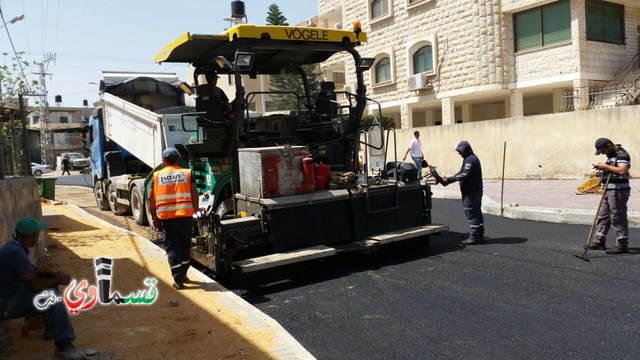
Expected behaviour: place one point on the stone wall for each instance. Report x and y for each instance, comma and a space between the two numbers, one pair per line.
19, 198
551, 146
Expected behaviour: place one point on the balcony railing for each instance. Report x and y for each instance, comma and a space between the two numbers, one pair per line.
581, 100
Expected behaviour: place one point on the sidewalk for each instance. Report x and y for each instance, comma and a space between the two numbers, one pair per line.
204, 321
542, 200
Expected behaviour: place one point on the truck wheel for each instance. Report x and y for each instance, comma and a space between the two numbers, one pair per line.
147, 211
138, 208
101, 199
116, 208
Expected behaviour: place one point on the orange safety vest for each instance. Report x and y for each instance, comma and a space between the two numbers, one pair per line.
172, 192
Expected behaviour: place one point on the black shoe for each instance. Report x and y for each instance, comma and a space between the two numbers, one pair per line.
596, 246
618, 250
178, 286
473, 241
68, 352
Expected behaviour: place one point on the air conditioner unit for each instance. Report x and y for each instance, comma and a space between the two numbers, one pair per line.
417, 81
338, 26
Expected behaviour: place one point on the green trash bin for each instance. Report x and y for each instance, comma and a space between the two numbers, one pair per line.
47, 188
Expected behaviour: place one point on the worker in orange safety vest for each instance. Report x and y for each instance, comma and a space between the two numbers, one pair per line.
173, 200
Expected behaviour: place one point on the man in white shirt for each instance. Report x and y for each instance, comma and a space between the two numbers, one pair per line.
415, 148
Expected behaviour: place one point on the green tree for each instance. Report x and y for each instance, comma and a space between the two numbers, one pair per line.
12, 83
288, 82
275, 17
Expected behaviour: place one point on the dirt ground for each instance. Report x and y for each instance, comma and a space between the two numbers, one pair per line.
199, 327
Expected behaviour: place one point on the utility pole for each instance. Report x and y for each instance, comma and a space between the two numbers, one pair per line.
47, 144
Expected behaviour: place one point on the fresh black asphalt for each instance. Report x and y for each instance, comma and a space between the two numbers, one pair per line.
522, 295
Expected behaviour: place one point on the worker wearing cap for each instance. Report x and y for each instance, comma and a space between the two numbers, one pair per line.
173, 200
20, 282
613, 211
212, 99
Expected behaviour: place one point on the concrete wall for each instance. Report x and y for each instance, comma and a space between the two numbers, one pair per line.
550, 146
19, 198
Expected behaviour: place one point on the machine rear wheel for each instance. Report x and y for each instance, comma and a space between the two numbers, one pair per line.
225, 206
138, 208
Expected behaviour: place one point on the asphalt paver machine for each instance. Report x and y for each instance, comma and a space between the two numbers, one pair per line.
296, 183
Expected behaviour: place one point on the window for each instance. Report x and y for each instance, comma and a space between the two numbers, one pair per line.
605, 22
64, 119
422, 55
339, 77
542, 26
35, 119
383, 71
378, 8
415, 3
423, 60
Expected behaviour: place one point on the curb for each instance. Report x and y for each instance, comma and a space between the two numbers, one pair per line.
553, 215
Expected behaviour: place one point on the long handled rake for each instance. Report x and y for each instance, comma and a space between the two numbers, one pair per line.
586, 247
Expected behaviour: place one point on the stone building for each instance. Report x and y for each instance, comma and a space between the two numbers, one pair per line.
445, 62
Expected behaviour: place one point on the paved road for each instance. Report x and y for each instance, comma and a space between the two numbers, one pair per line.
522, 295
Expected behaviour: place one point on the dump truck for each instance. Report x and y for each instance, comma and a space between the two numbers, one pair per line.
127, 136
303, 184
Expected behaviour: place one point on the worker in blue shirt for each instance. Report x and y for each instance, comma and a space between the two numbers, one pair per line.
20, 282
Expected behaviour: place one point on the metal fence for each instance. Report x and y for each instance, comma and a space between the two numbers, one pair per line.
581, 100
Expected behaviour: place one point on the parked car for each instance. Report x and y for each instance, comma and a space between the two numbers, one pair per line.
77, 160
39, 169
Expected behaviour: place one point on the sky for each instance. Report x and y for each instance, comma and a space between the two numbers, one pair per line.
91, 36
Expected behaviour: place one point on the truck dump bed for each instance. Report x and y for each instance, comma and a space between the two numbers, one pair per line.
137, 130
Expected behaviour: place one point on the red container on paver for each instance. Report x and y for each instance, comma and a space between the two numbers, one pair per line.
322, 176
270, 172
308, 176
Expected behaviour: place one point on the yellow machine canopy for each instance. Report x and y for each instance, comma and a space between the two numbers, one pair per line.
272, 46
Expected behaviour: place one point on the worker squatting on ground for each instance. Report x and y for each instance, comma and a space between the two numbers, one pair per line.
173, 200
613, 212
470, 178
20, 282
415, 148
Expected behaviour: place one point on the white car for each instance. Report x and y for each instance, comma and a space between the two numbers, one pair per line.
39, 169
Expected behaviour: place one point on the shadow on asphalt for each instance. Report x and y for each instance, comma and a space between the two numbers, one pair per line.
505, 240
256, 289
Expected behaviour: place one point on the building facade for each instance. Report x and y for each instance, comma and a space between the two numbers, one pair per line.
64, 124
445, 62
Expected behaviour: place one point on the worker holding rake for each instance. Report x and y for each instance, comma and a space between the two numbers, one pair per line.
613, 210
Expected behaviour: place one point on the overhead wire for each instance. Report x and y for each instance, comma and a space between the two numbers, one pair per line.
55, 36
15, 53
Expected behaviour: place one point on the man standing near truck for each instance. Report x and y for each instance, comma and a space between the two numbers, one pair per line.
173, 200
415, 148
